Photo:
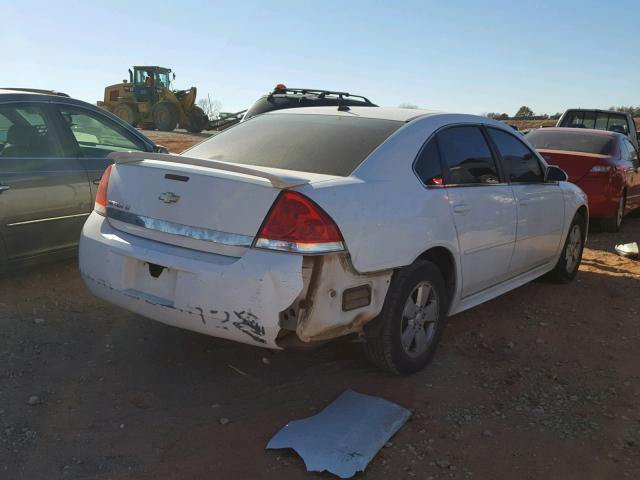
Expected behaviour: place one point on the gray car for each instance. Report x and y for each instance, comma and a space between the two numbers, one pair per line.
53, 151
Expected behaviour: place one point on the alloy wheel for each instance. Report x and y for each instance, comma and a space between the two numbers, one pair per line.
574, 247
419, 319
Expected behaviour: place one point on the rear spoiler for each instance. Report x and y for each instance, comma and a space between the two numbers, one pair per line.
123, 158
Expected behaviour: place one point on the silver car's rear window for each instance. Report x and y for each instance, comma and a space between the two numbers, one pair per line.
327, 144
570, 141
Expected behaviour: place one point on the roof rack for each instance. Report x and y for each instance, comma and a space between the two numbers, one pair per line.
320, 93
36, 90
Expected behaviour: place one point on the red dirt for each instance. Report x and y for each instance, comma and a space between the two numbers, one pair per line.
543, 382
176, 141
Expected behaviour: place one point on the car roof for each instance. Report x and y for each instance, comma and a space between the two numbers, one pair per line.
581, 131
382, 113
39, 95
31, 91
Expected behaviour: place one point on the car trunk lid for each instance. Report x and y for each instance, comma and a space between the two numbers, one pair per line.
185, 202
575, 164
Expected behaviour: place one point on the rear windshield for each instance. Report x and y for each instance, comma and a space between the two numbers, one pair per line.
613, 122
328, 144
571, 141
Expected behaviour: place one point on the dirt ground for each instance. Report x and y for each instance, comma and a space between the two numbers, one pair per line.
541, 383
178, 140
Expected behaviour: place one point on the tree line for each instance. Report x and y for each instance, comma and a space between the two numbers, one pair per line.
526, 113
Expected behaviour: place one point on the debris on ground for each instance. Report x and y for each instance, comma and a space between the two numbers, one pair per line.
345, 436
629, 250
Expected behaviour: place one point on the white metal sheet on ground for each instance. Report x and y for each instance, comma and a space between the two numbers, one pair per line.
345, 436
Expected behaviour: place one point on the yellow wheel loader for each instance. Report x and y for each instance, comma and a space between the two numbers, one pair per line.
147, 100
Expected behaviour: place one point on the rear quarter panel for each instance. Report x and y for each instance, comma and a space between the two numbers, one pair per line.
388, 225
574, 199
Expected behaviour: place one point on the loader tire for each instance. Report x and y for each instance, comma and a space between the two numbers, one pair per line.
126, 112
165, 116
198, 120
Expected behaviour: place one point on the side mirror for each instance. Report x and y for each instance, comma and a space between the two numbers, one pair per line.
555, 174
160, 149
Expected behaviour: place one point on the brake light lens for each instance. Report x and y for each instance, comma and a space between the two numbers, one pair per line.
297, 224
101, 196
599, 170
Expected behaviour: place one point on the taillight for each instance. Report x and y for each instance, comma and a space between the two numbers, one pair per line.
101, 196
297, 224
599, 171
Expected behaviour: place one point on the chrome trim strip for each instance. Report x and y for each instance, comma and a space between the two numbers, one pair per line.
50, 219
198, 233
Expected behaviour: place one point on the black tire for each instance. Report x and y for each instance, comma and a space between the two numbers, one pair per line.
384, 345
127, 113
569, 262
165, 116
198, 120
613, 224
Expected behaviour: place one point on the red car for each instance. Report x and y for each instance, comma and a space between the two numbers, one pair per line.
604, 164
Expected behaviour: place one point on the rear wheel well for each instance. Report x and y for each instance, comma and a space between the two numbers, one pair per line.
582, 211
443, 259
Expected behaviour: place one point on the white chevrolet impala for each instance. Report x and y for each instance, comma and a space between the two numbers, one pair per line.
303, 225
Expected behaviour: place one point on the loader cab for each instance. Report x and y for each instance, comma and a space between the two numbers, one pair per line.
149, 81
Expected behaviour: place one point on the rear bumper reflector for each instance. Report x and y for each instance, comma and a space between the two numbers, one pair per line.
356, 297
164, 226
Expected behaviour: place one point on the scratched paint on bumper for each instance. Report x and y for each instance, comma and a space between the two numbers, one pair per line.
234, 298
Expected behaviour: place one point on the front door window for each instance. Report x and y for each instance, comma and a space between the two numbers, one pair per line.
95, 136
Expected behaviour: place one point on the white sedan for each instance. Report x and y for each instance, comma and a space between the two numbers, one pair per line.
303, 225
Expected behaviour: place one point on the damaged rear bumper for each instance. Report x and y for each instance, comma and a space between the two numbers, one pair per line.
238, 299
263, 298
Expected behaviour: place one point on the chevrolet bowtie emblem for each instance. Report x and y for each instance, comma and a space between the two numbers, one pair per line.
169, 197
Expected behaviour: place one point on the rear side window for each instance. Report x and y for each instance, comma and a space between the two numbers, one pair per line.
520, 163
428, 166
465, 152
559, 139
25, 131
327, 144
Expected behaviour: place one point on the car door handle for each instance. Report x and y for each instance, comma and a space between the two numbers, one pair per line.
524, 201
97, 181
461, 208
4, 187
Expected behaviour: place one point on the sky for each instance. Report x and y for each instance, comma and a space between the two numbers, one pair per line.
457, 56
